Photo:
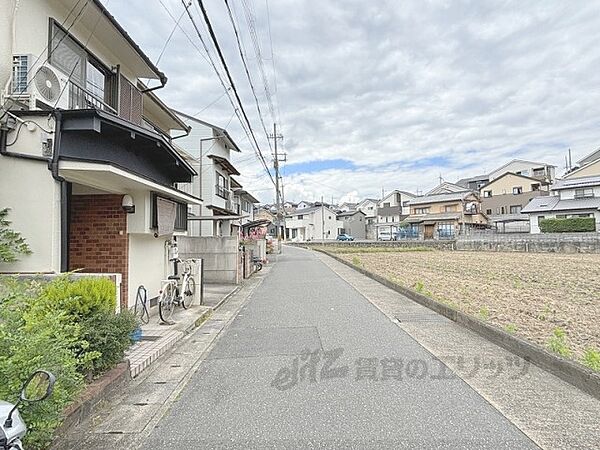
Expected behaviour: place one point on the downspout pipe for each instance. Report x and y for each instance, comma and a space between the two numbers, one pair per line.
64, 194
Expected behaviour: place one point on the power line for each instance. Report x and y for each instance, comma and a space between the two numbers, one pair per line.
250, 21
213, 65
169, 38
232, 83
29, 69
237, 38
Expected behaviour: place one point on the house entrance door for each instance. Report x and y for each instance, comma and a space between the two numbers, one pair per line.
428, 232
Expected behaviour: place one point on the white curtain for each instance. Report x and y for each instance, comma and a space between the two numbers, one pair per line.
166, 212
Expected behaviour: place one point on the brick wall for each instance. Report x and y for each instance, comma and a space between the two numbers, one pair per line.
98, 239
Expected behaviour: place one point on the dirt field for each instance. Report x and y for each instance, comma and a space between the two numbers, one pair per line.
530, 295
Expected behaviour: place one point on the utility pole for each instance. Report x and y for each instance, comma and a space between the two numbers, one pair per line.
280, 208
322, 221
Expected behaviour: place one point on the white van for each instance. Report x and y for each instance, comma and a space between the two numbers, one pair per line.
384, 236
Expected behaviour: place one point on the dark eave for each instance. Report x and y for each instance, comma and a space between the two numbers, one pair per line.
225, 164
94, 135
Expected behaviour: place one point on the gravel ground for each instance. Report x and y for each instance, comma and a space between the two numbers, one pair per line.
528, 294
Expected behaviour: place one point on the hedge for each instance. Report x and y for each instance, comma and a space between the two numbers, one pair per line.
573, 224
66, 326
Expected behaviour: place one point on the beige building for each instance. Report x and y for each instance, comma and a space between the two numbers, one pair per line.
444, 214
503, 198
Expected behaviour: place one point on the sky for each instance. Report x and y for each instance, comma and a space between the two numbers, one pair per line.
384, 95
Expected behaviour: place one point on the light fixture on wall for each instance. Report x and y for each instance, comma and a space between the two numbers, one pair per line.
127, 204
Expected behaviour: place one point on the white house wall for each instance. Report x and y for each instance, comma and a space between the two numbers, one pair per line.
31, 35
34, 196
148, 264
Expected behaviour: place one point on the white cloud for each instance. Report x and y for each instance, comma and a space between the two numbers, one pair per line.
385, 86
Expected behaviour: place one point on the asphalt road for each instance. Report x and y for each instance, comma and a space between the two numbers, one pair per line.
310, 363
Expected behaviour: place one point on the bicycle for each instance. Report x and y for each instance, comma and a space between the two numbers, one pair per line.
171, 295
257, 262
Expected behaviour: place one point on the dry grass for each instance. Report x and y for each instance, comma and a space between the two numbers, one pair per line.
528, 294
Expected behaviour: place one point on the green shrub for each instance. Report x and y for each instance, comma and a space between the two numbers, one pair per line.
30, 342
558, 343
573, 224
510, 328
484, 314
78, 298
591, 359
109, 335
11, 242
65, 326
356, 261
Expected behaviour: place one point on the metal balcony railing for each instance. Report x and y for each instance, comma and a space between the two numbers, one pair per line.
81, 98
222, 192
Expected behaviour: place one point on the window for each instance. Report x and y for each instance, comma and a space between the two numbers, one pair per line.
181, 214
300, 217
584, 193
561, 216
445, 230
539, 172
421, 210
487, 194
518, 190
540, 218
222, 187
515, 209
535, 187
450, 208
488, 211
93, 85
386, 205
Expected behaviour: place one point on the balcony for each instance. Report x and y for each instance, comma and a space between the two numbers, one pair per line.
81, 98
223, 192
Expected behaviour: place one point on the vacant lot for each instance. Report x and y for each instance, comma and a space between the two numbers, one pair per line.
531, 295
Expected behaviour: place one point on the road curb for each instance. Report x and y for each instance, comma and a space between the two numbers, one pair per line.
94, 393
569, 371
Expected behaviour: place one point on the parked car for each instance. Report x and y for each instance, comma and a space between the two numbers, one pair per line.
344, 237
384, 236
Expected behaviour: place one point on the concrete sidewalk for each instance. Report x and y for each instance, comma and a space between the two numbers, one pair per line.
158, 338
124, 417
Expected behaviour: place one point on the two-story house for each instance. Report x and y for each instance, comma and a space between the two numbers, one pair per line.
538, 170
369, 207
503, 198
574, 197
314, 223
392, 210
211, 147
444, 212
353, 223
89, 171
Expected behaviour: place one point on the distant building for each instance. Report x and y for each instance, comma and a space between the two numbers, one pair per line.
576, 197
443, 213
314, 223
353, 223
503, 199
392, 210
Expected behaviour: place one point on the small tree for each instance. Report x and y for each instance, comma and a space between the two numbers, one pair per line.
11, 242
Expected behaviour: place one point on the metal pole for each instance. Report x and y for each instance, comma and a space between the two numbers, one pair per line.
277, 197
322, 221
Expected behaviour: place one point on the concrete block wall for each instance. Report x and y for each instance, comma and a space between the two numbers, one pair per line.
219, 254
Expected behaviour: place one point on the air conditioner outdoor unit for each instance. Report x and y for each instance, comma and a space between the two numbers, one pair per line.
34, 81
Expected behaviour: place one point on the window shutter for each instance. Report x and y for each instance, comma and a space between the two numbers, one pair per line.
130, 107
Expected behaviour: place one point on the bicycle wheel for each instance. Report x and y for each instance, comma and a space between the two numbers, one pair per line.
166, 303
189, 289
